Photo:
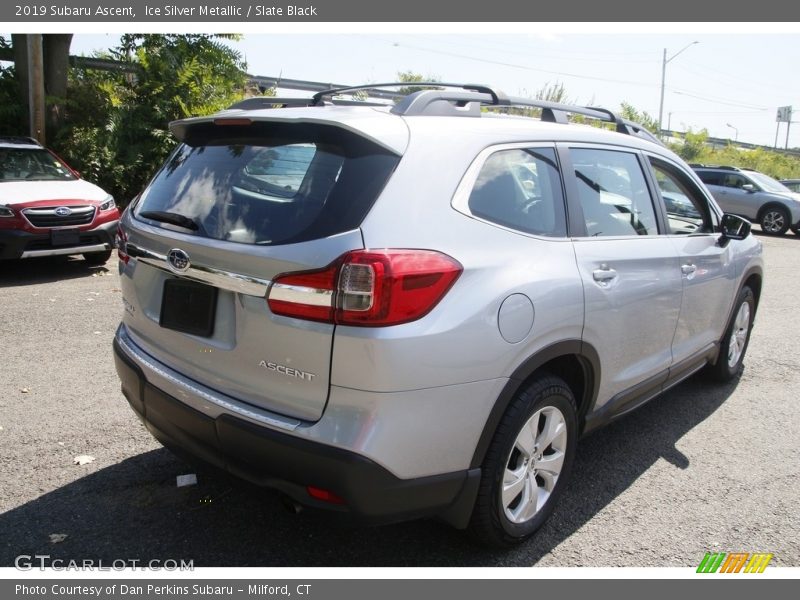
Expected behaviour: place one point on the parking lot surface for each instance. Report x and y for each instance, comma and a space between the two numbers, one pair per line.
702, 468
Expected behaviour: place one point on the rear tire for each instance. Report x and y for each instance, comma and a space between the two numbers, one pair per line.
774, 220
528, 463
733, 345
97, 258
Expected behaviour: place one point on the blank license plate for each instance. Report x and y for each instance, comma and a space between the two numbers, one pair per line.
189, 307
65, 237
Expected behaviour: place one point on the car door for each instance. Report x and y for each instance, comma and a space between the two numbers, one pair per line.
707, 268
735, 199
630, 272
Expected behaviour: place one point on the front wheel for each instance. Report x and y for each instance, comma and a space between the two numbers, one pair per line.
527, 464
775, 220
736, 338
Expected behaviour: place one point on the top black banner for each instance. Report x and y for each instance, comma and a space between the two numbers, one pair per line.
331, 11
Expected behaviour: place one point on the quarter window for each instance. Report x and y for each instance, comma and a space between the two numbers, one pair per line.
613, 193
521, 189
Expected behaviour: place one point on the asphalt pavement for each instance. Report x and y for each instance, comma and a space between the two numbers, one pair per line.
703, 468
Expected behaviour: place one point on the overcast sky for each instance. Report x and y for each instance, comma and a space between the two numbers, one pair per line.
726, 82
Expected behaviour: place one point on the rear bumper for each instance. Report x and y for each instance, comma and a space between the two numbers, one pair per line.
17, 243
288, 463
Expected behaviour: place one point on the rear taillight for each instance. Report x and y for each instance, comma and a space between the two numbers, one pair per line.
121, 242
367, 288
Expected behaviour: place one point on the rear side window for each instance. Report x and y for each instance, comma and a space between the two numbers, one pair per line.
521, 189
710, 177
269, 183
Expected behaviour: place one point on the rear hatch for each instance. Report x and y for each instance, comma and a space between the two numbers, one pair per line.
237, 204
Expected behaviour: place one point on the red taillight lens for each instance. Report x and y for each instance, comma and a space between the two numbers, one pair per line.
121, 242
324, 495
368, 288
388, 287
307, 295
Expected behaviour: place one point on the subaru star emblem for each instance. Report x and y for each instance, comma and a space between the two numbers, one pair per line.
178, 260
63, 211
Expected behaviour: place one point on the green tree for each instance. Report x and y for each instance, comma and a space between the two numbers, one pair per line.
118, 121
555, 92
628, 111
412, 77
13, 116
692, 145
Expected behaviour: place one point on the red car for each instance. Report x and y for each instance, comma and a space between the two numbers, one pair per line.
46, 209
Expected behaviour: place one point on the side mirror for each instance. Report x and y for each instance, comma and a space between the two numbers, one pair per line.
734, 227
749, 187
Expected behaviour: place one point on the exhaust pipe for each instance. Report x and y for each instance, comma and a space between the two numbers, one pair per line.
290, 505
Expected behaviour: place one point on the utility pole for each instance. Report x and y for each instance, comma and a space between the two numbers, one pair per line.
664, 62
36, 87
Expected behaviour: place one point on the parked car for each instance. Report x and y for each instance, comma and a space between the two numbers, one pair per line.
46, 209
792, 184
753, 195
442, 304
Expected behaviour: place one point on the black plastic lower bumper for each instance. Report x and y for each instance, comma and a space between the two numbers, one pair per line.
17, 243
290, 464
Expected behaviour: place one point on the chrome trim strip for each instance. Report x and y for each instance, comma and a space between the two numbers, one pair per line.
63, 251
77, 210
301, 295
226, 280
197, 396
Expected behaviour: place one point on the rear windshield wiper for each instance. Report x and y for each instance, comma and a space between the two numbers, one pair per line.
171, 218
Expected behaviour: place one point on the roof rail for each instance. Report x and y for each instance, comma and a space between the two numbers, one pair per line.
258, 102
466, 99
452, 103
319, 97
18, 139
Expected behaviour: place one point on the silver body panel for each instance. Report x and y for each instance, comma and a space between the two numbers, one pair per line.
246, 332
415, 397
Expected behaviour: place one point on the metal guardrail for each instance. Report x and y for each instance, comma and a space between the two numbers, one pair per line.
724, 142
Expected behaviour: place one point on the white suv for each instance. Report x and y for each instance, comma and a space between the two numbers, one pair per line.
414, 310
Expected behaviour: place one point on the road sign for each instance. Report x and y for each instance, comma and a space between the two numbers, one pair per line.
784, 114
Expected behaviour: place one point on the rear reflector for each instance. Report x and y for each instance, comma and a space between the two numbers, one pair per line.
324, 495
367, 288
121, 242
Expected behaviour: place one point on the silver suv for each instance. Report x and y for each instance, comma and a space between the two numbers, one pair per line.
753, 195
414, 310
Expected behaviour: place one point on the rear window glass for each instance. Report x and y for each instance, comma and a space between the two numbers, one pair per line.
269, 183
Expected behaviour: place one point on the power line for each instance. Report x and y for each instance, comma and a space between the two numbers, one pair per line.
506, 46
717, 100
524, 67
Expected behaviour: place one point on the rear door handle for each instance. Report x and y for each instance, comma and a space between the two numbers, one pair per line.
688, 269
604, 274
